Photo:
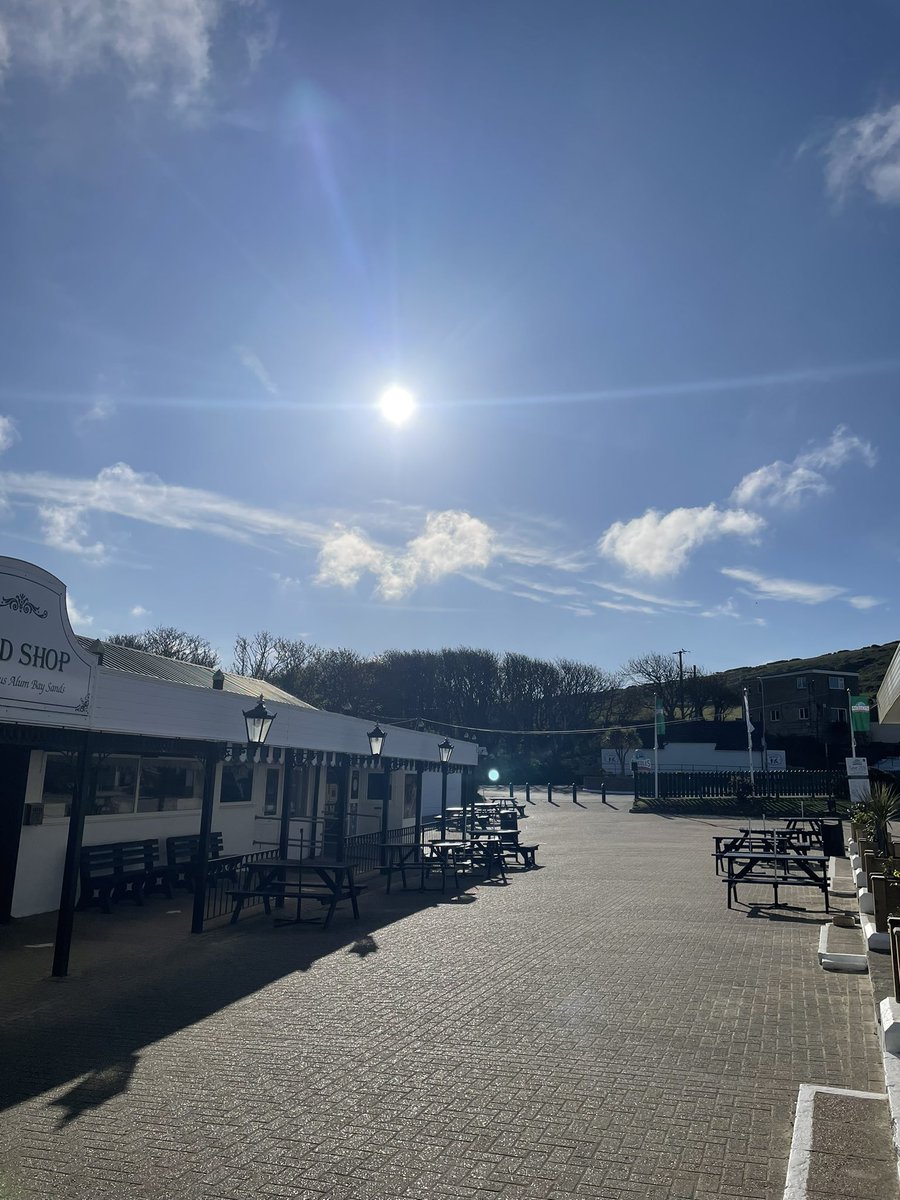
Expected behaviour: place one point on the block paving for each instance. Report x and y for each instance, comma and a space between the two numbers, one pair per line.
601, 1028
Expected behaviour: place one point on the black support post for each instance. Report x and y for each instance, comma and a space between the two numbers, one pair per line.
385, 807
65, 920
287, 802
419, 771
206, 816
443, 801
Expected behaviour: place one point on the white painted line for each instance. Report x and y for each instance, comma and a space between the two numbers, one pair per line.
37, 945
801, 1140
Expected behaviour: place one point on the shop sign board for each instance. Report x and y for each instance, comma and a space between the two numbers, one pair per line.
43, 668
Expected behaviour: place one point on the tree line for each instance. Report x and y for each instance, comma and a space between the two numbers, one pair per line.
500, 700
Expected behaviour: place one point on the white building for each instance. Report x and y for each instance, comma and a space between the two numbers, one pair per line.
149, 725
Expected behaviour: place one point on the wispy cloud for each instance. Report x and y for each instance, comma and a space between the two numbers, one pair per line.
660, 544
663, 601
64, 528
452, 542
789, 483
9, 435
727, 609
618, 606
864, 152
254, 365
796, 590
139, 611
79, 619
159, 48
547, 588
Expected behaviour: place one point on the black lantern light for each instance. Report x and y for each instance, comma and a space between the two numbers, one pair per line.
445, 749
258, 721
376, 741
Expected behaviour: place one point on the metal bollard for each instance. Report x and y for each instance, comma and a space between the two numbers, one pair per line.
511, 791
527, 793
550, 792
574, 793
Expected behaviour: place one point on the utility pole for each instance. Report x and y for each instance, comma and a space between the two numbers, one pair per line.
681, 653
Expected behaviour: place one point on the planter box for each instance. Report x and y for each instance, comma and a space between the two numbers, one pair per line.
886, 893
875, 864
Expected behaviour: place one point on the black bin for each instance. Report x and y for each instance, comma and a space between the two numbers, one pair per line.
832, 838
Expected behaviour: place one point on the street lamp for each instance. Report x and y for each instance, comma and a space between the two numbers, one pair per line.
258, 721
376, 741
445, 749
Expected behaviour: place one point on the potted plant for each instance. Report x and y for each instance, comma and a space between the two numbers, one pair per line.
881, 806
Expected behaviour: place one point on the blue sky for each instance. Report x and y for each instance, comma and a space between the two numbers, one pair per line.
638, 263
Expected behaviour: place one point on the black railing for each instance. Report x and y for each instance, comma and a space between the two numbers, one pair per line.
223, 876
364, 850
788, 784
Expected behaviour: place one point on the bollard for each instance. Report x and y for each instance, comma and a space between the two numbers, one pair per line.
602, 793
574, 793
511, 791
527, 793
550, 792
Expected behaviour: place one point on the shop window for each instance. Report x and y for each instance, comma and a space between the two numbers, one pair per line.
59, 783
237, 784
116, 786
803, 714
170, 785
836, 683
270, 805
299, 793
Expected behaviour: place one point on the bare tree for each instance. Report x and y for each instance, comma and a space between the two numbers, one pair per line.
170, 642
659, 672
621, 739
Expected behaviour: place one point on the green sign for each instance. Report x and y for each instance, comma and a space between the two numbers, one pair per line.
859, 714
660, 719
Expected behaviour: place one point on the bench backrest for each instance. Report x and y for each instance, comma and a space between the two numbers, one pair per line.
112, 858
183, 848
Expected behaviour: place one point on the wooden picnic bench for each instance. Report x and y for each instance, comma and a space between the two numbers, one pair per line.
116, 869
771, 868
266, 879
182, 853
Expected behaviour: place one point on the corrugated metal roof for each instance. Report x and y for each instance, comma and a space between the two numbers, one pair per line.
155, 666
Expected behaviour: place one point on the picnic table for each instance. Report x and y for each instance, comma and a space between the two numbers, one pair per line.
775, 868
402, 857
267, 878
785, 840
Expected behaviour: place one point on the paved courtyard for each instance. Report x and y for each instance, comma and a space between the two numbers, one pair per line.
600, 1028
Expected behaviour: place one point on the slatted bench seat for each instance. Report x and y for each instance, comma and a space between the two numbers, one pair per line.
280, 891
181, 856
775, 881
116, 869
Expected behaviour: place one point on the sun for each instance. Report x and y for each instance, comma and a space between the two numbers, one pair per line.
397, 404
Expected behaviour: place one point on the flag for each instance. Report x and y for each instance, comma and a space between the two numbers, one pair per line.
660, 719
859, 714
750, 727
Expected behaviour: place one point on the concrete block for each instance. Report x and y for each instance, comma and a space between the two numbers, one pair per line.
866, 902
890, 1024
874, 939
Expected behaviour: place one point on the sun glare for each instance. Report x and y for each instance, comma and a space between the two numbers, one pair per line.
397, 404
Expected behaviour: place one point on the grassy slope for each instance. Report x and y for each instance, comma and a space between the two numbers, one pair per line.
870, 661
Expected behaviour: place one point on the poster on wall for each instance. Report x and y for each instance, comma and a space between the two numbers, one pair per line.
409, 798
43, 667
354, 786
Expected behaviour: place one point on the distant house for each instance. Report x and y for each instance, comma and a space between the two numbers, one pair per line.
801, 703
699, 746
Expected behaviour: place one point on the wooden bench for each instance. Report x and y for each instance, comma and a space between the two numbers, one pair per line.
113, 870
775, 870
291, 891
181, 856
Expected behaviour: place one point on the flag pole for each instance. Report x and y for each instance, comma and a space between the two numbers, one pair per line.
655, 752
749, 739
852, 730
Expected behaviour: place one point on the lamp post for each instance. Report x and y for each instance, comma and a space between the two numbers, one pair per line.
376, 745
445, 749
257, 722
376, 741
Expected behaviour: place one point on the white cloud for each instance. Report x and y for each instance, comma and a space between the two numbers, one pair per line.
102, 409
728, 609
64, 529
787, 484
452, 543
160, 47
254, 365
548, 589
632, 608
864, 602
636, 595
865, 152
139, 611
660, 544
8, 433
769, 588
77, 618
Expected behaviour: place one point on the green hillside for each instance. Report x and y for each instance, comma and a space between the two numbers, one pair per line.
870, 661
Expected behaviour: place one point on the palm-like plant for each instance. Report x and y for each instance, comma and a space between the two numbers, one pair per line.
883, 805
